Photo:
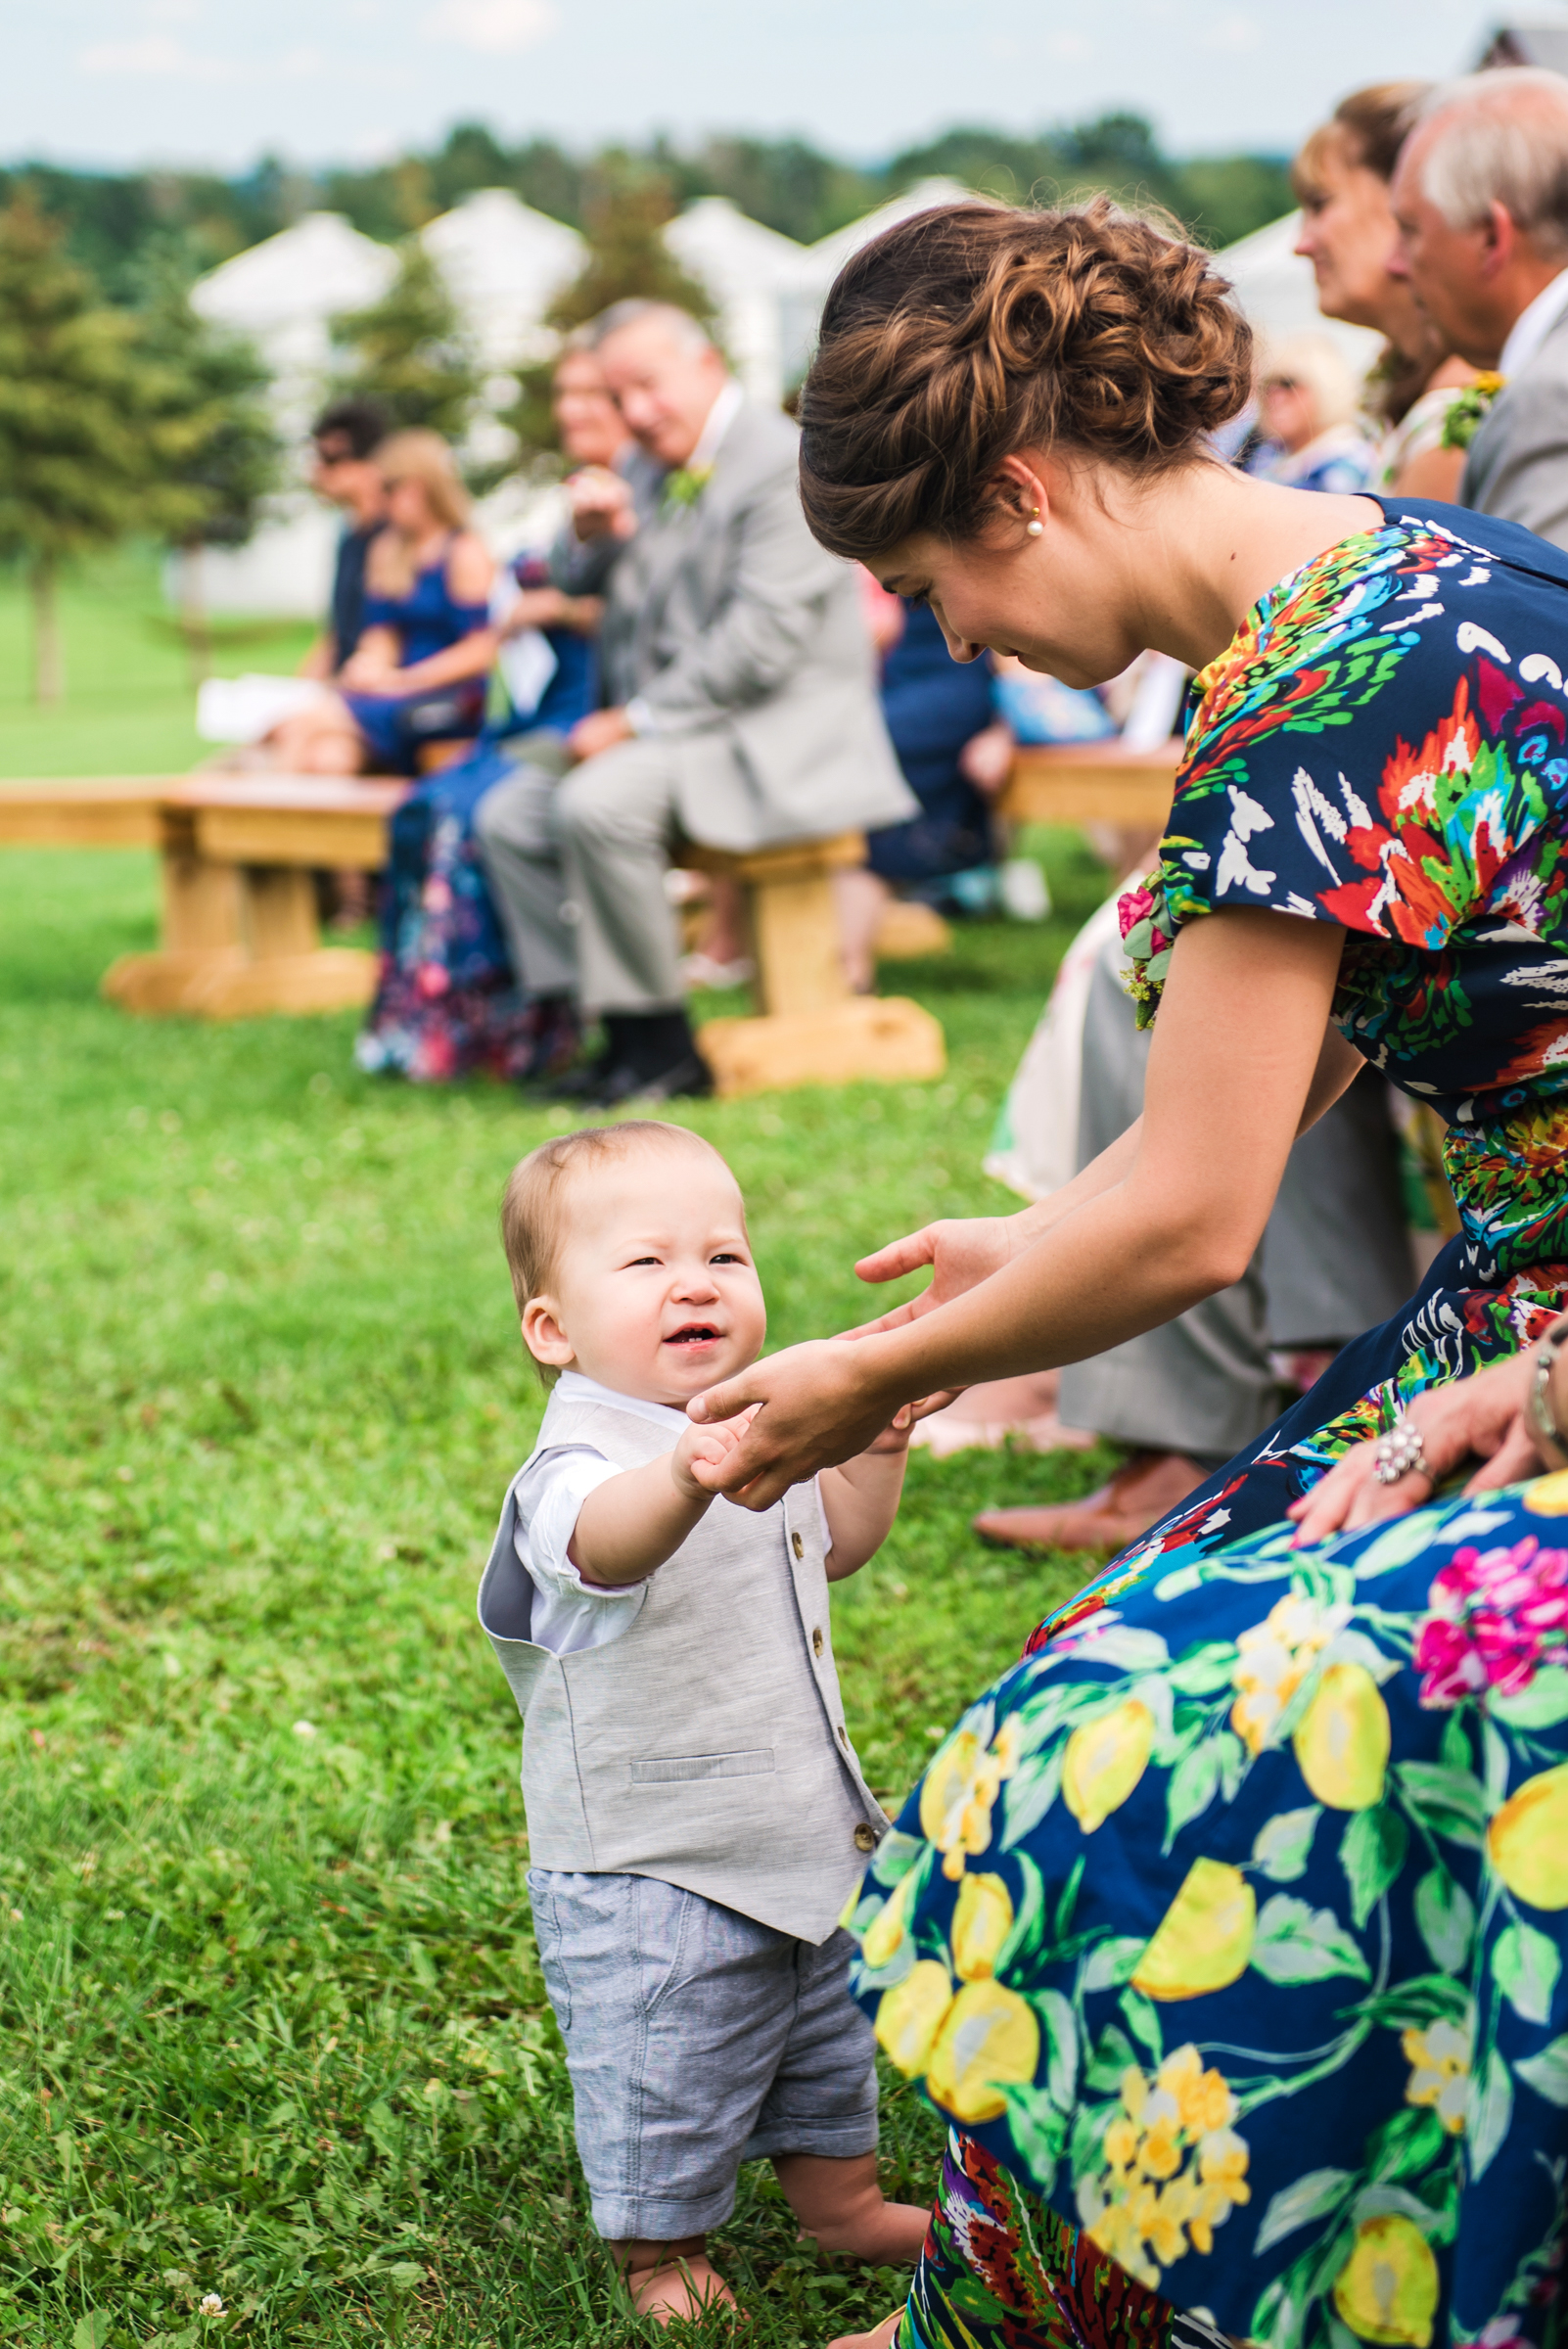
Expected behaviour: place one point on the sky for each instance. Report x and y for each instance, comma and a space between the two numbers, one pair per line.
220, 82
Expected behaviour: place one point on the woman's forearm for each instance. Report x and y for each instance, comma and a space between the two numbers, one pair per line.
1101, 1173
1116, 1265
471, 656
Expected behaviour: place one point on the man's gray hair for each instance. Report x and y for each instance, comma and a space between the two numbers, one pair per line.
683, 328
1503, 138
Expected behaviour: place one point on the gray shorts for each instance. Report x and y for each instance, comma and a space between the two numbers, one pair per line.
696, 2040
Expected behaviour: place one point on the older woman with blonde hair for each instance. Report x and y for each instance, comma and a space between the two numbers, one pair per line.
428, 579
1342, 178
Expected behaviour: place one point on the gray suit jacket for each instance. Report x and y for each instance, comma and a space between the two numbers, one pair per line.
745, 645
1517, 466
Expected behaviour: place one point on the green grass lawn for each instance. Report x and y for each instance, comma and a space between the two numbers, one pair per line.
271, 2023
130, 700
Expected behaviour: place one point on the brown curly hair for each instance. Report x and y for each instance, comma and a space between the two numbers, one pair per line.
977, 328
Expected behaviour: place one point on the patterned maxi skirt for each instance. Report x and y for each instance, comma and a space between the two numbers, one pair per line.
1228, 1927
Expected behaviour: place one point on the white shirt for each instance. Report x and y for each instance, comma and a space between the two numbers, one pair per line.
1533, 325
569, 1613
720, 416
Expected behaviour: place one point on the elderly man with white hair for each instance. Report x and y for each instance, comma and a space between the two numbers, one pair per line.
741, 706
1481, 197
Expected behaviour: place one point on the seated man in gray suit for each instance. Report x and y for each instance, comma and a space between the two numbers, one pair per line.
741, 710
1480, 197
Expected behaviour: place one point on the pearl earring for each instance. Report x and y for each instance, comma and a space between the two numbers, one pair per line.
1036, 528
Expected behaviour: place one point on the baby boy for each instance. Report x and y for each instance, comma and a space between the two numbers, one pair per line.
696, 1813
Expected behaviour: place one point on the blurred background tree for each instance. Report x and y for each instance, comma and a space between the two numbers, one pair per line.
412, 352
207, 388
90, 445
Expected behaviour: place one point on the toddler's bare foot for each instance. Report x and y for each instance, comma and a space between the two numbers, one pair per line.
672, 2279
883, 2337
888, 2237
839, 2204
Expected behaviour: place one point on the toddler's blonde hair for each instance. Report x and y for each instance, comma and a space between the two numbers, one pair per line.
533, 1208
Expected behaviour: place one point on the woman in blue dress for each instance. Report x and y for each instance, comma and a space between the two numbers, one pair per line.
1228, 1930
428, 579
447, 1001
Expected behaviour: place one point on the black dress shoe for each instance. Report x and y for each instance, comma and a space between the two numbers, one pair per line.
689, 1080
578, 1084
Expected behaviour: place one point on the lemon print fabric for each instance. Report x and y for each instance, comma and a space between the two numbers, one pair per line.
1228, 1935
1205, 1937
1342, 1745
1104, 1761
1528, 1840
1387, 2290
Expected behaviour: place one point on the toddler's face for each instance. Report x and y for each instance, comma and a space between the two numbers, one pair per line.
653, 1292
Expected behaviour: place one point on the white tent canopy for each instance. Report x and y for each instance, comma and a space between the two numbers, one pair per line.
756, 280
829, 253
502, 262
285, 293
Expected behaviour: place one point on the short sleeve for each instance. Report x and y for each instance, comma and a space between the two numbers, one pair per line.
549, 1501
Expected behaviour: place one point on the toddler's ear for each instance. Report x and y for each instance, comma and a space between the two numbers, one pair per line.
543, 1335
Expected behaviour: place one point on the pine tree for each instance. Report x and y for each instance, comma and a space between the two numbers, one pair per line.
206, 396
77, 461
625, 222
411, 351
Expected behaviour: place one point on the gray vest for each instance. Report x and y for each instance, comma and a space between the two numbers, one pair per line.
706, 1745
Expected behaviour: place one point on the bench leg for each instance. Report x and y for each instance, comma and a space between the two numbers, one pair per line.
238, 941
885, 1040
799, 967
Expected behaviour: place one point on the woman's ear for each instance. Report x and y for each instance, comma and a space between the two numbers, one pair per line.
543, 1335
1020, 494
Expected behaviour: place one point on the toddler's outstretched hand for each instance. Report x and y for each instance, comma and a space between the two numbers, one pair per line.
700, 1453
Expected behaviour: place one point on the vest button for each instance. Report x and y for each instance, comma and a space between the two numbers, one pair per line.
798, 1545
817, 1640
866, 1839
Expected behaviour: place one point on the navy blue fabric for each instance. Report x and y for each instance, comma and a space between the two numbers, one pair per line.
347, 606
933, 705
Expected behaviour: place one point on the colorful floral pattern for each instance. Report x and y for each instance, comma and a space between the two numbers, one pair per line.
1229, 1928
446, 1004
1384, 745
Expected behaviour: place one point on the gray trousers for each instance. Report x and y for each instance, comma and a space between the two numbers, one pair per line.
577, 862
1334, 1260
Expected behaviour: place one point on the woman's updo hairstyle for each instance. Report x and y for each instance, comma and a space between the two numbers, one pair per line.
974, 330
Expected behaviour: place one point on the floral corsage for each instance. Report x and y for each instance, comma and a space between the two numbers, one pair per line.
685, 484
1148, 935
1468, 410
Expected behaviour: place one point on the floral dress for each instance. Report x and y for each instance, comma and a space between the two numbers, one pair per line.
1227, 1928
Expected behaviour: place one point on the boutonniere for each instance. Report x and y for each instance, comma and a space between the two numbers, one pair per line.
1468, 410
685, 485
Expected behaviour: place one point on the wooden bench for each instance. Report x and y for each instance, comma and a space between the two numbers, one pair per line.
1090, 783
810, 1028
240, 932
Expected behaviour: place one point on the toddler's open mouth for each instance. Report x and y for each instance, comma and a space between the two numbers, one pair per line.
695, 1333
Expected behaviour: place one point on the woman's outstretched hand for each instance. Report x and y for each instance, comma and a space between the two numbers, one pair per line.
819, 1405
1469, 1418
962, 1253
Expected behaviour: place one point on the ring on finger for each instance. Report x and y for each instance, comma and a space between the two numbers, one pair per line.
1399, 1453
